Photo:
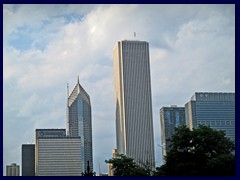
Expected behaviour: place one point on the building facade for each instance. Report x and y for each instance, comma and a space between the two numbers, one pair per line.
110, 170
133, 100
79, 122
12, 170
170, 117
216, 110
57, 154
28, 160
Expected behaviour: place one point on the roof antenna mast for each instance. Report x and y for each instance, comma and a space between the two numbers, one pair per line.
67, 90
134, 34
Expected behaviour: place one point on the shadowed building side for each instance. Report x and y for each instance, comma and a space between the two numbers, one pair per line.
28, 160
170, 117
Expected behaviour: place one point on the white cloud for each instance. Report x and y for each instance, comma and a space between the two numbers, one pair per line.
192, 48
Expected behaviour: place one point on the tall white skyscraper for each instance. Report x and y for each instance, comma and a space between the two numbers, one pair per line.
134, 123
79, 122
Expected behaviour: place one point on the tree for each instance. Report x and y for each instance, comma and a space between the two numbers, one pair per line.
88, 172
125, 166
202, 151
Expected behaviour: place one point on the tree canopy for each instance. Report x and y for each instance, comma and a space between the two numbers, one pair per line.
201, 151
125, 166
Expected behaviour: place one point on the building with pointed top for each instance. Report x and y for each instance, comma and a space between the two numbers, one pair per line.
79, 122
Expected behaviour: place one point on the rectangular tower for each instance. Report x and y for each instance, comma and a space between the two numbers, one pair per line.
12, 170
80, 122
213, 109
170, 118
133, 100
57, 154
28, 160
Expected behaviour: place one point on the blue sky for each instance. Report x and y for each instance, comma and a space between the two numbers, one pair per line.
192, 48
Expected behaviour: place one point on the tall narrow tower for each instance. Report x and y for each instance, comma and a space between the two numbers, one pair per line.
134, 123
80, 122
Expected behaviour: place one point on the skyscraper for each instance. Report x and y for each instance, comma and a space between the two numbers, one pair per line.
170, 118
216, 110
134, 123
79, 122
12, 170
57, 154
28, 160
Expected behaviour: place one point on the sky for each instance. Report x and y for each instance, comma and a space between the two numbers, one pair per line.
192, 49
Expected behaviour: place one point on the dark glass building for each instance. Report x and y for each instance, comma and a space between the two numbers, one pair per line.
28, 160
216, 110
170, 118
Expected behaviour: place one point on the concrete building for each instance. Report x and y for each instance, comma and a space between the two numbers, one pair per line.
12, 170
170, 117
79, 122
110, 170
214, 109
28, 160
133, 101
57, 154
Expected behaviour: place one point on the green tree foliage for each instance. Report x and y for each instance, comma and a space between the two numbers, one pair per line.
202, 151
125, 166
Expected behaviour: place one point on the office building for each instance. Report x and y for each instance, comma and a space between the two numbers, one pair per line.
170, 117
28, 160
216, 110
110, 170
57, 154
79, 122
133, 100
12, 170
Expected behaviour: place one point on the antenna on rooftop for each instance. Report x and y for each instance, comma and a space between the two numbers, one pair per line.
67, 90
134, 35
99, 169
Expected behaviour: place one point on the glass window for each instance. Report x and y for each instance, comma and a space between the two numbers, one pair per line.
177, 119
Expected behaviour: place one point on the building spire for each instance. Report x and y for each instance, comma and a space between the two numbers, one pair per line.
78, 80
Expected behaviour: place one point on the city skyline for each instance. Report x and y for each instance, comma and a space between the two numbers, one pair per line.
47, 46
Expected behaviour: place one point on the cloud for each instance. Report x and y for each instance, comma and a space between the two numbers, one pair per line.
192, 48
